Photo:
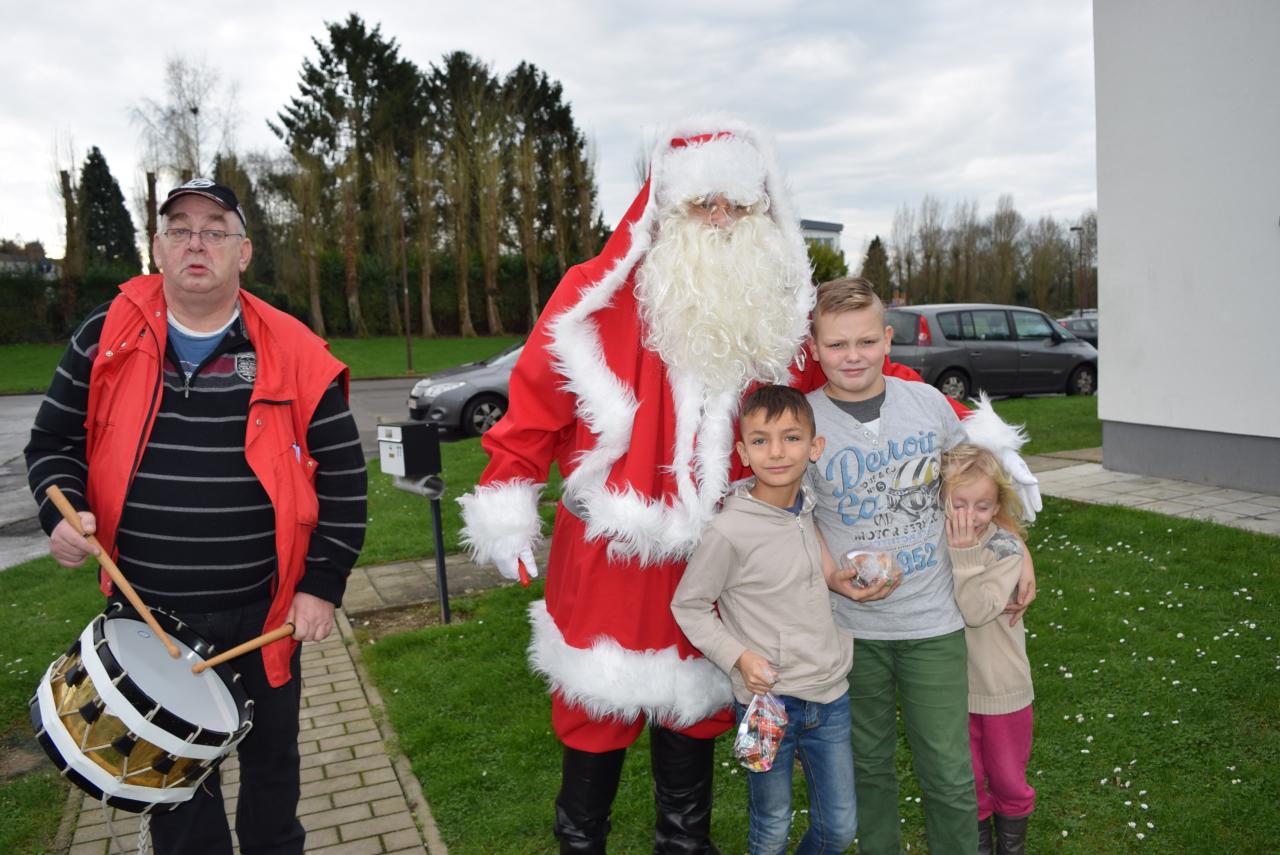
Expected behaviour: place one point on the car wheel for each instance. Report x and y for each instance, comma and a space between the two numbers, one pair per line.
1083, 381
953, 384
482, 413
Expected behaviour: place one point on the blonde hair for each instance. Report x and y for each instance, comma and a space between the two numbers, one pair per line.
847, 294
967, 462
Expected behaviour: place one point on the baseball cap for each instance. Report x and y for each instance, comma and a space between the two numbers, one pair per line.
224, 196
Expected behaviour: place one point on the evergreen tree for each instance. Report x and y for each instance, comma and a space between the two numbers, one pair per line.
827, 261
228, 170
109, 235
875, 267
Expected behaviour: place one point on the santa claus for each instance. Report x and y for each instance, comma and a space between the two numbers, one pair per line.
630, 383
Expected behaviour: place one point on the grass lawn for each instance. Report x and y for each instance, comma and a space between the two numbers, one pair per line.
400, 522
1155, 649
44, 607
29, 367
1058, 423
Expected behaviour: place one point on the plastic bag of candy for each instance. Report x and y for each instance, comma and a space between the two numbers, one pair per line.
870, 566
760, 733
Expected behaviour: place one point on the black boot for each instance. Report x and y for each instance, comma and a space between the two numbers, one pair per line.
984, 837
682, 773
1011, 835
588, 783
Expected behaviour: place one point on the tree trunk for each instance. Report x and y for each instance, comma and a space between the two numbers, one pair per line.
152, 222
315, 310
73, 257
352, 275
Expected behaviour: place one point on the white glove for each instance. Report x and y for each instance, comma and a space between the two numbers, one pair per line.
509, 565
1026, 485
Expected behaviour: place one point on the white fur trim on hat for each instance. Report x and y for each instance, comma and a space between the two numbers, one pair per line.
501, 520
985, 428
726, 165
608, 681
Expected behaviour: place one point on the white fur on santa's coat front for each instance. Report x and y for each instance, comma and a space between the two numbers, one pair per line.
609, 681
636, 526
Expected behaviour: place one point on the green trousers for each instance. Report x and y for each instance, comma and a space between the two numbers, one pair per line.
929, 676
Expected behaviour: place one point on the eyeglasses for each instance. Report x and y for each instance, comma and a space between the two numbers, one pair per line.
208, 237
710, 207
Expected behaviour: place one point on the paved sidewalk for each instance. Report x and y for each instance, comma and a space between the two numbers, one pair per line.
356, 800
1079, 475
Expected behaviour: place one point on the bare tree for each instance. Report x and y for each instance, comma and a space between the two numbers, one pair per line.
1006, 228
1048, 255
525, 169
583, 171
194, 120
640, 165
902, 241
932, 242
966, 233
424, 182
457, 188
386, 179
490, 119
557, 188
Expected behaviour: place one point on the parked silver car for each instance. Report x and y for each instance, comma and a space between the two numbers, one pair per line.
468, 399
1003, 350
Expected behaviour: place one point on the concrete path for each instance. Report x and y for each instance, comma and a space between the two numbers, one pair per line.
1079, 475
356, 800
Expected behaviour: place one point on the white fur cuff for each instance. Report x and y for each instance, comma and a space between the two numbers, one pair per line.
985, 428
501, 520
609, 681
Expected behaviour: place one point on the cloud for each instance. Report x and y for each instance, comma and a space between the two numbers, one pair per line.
872, 105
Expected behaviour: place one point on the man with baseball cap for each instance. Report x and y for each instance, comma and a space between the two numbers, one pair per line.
205, 438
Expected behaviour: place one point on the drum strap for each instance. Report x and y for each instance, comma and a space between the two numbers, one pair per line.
144, 831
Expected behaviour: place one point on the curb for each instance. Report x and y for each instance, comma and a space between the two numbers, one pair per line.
404, 774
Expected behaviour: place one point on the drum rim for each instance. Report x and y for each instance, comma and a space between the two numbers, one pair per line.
169, 721
68, 770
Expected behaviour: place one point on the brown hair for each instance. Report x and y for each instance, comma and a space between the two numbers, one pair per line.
967, 461
847, 294
776, 401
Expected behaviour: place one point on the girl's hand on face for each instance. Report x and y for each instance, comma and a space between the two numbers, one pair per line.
961, 529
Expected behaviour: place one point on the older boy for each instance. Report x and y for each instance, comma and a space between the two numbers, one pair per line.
876, 488
760, 562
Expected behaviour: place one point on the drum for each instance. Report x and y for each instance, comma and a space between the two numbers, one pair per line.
129, 724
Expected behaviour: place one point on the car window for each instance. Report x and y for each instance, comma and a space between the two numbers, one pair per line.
990, 325
905, 326
1032, 325
950, 324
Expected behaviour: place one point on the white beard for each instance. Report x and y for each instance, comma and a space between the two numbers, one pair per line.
717, 303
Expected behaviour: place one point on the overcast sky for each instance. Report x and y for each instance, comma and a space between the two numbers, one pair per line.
872, 104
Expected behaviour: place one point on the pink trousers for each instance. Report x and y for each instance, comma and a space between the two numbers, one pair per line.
1001, 748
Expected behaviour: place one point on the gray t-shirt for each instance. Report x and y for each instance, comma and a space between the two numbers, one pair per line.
879, 491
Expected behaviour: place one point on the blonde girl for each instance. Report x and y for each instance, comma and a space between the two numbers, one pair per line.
984, 537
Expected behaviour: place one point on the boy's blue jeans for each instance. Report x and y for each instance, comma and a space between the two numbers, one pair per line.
819, 735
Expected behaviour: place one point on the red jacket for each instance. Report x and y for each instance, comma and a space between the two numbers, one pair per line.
294, 369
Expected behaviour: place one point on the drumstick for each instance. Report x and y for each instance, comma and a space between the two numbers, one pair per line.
71, 516
252, 644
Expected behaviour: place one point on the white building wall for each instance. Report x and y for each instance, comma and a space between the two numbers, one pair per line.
1188, 101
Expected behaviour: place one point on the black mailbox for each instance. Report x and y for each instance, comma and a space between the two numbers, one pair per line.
409, 449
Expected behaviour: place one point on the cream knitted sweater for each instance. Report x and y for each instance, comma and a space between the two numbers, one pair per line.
986, 578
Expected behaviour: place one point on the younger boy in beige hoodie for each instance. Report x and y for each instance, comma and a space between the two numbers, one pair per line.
760, 564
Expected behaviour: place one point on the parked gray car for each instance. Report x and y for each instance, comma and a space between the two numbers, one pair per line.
468, 399
1084, 328
963, 348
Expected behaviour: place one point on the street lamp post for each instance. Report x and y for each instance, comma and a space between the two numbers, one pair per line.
1080, 286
